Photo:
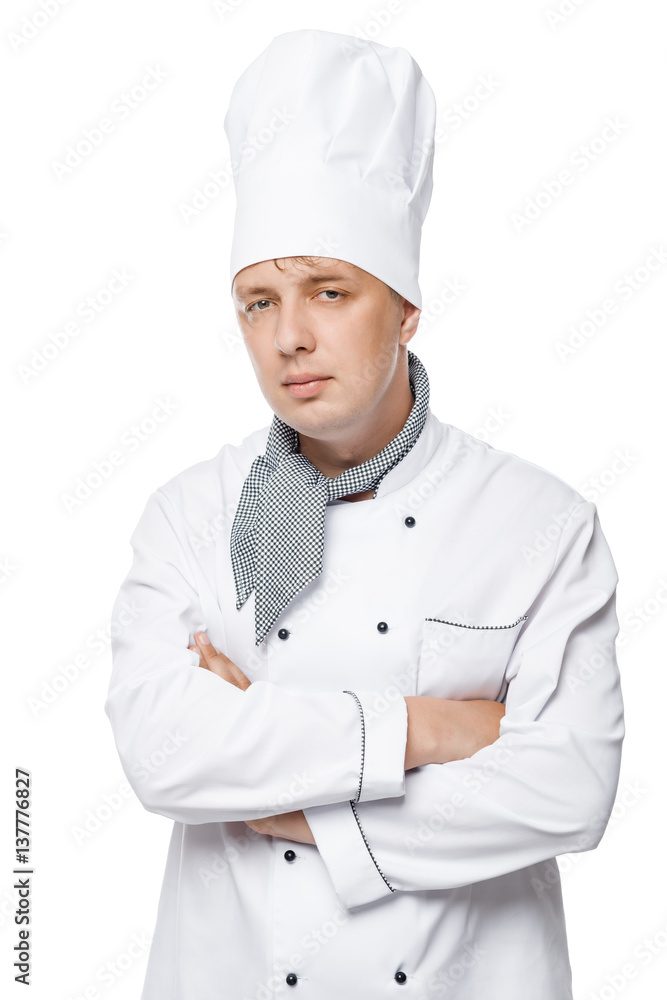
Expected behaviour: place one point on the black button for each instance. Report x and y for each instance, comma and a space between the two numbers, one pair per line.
290, 855
410, 521
400, 977
290, 979
283, 633
382, 626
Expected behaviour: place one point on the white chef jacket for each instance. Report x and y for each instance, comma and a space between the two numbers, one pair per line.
472, 574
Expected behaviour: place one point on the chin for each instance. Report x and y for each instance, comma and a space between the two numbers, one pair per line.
322, 425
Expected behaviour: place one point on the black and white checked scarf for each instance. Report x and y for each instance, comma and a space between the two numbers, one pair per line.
277, 536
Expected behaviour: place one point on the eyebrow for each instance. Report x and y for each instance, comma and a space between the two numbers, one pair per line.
244, 290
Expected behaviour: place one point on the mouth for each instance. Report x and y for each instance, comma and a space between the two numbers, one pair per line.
306, 385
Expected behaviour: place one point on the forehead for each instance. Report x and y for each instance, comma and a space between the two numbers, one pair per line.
265, 276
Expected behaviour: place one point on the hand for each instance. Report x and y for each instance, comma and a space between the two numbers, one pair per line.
212, 659
468, 726
444, 729
290, 826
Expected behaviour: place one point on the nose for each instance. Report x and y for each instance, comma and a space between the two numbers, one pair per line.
292, 330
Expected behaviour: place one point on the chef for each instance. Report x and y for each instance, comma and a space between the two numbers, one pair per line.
372, 677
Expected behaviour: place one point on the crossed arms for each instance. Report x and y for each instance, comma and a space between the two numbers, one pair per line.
439, 730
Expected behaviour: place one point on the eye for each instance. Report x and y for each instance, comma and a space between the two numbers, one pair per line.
259, 302
330, 291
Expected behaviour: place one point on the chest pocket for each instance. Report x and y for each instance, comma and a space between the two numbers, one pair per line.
461, 660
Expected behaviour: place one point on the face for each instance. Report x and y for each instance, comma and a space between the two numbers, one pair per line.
334, 323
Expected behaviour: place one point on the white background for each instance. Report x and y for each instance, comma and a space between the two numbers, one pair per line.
596, 412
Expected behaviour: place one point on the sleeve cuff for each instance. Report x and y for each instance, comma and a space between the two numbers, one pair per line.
343, 847
383, 739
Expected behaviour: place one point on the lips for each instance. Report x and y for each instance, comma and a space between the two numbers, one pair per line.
308, 385
306, 377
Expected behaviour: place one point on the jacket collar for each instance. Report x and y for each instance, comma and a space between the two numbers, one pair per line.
416, 459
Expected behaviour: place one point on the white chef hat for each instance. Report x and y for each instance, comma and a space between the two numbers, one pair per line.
332, 141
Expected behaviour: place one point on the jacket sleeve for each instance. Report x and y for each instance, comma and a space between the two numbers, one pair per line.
545, 787
196, 748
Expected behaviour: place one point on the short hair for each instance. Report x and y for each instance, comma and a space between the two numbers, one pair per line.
309, 260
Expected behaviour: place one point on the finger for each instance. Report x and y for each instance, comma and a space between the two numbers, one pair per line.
194, 648
213, 658
219, 664
261, 825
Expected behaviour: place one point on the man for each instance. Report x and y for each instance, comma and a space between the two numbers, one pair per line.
373, 764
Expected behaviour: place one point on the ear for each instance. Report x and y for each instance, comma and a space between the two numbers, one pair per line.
409, 322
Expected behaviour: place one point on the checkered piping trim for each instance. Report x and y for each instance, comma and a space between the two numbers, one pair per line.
380, 872
442, 621
363, 743
355, 800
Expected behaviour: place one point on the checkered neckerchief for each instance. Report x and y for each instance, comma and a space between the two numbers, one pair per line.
277, 536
